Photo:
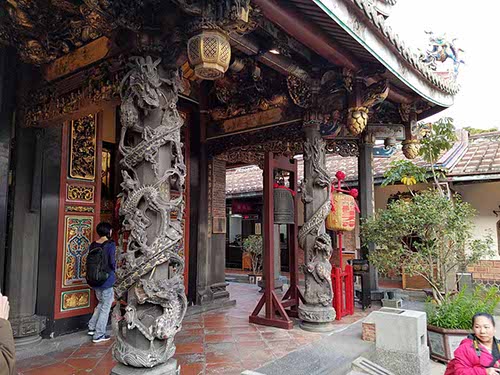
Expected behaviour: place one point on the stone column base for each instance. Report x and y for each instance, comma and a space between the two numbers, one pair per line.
26, 330
169, 368
317, 318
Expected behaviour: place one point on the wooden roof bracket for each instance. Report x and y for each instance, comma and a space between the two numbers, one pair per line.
314, 38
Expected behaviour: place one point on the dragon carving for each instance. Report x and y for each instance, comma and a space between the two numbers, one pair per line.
150, 275
312, 239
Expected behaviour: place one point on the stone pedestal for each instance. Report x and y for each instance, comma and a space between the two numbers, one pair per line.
401, 341
396, 303
169, 368
316, 318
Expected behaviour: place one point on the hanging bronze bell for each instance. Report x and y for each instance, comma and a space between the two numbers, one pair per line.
283, 206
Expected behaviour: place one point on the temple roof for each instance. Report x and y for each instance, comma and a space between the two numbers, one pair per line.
470, 158
359, 26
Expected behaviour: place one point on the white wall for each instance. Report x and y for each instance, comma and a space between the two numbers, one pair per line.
484, 197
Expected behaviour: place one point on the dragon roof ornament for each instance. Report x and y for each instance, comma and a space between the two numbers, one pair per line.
448, 86
443, 55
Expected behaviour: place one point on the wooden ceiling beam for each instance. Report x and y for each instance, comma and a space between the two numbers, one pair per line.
315, 38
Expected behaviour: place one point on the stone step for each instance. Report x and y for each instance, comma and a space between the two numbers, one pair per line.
362, 365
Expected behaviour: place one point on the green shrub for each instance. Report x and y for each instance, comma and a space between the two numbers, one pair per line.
456, 311
254, 246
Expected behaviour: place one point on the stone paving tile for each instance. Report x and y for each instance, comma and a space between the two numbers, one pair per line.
215, 342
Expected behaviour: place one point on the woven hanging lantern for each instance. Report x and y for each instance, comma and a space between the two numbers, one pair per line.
343, 214
209, 54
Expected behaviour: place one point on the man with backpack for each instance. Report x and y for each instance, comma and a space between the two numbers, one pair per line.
101, 267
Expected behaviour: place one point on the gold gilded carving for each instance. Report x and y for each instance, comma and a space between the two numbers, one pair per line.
86, 55
79, 209
83, 148
65, 97
253, 120
75, 300
79, 193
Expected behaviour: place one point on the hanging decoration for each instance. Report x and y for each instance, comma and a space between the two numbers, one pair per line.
342, 218
283, 202
343, 214
209, 53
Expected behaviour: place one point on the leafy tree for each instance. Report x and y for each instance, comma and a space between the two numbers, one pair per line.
438, 138
444, 231
254, 246
406, 172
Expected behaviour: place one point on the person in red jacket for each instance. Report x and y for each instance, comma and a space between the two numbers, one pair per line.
479, 353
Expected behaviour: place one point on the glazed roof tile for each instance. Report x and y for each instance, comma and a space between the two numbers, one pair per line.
480, 155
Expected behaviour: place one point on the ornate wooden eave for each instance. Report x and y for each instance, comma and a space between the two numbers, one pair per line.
335, 30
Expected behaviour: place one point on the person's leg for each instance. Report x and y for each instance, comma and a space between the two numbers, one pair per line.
95, 315
107, 298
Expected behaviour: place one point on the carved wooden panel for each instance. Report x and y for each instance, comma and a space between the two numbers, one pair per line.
78, 237
86, 209
78, 299
83, 148
80, 193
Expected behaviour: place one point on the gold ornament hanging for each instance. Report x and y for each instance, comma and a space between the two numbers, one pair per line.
209, 54
357, 119
411, 148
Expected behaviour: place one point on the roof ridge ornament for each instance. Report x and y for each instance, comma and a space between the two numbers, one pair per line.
441, 50
449, 86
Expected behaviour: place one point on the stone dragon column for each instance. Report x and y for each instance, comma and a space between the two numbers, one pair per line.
317, 312
150, 274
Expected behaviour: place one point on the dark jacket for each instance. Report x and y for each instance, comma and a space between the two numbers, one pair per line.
110, 248
7, 350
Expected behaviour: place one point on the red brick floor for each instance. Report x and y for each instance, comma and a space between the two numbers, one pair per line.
218, 342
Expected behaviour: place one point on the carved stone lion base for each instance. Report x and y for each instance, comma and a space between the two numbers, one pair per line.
317, 318
169, 368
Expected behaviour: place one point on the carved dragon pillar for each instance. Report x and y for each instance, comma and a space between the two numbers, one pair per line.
317, 312
150, 278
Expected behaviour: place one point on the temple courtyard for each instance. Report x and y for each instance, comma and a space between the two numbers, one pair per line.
214, 342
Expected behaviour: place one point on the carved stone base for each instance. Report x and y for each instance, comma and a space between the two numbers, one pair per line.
215, 292
317, 318
21, 342
26, 330
169, 368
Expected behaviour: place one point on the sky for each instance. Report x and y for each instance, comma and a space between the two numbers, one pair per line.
477, 26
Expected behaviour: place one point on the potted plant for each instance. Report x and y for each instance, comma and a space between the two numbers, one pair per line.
253, 245
451, 321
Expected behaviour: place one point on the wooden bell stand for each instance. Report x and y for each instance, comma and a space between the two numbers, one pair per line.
278, 312
342, 278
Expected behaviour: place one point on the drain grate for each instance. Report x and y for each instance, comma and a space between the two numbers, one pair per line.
369, 367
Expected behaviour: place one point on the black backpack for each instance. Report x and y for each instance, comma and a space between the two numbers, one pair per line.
97, 266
